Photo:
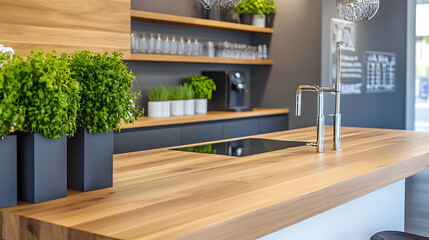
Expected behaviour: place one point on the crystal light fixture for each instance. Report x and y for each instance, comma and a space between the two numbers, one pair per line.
357, 10
219, 4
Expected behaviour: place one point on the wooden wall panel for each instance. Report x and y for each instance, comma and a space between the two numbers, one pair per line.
65, 25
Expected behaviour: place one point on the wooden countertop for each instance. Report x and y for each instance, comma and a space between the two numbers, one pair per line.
160, 194
210, 116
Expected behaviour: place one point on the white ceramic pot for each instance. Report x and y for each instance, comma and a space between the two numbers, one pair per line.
177, 107
259, 20
190, 107
155, 109
166, 109
201, 106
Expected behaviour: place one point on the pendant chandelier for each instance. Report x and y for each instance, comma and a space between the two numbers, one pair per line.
219, 4
357, 10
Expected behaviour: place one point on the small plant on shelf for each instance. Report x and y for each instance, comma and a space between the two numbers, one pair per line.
176, 93
188, 96
203, 87
188, 92
158, 105
270, 12
105, 84
157, 94
253, 12
12, 113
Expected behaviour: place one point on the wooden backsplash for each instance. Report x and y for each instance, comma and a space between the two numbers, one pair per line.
65, 25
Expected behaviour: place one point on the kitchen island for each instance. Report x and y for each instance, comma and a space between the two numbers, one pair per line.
164, 194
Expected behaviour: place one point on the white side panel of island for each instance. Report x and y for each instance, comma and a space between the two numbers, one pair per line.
357, 220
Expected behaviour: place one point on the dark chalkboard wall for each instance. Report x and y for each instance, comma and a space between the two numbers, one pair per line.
386, 32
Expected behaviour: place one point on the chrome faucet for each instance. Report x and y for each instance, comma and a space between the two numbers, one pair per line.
320, 112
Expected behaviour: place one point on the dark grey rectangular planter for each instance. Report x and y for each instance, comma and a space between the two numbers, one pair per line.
42, 168
90, 160
8, 172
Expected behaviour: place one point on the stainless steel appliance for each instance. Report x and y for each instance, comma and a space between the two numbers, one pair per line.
231, 92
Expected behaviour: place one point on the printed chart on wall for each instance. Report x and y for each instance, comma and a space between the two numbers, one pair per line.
380, 71
352, 67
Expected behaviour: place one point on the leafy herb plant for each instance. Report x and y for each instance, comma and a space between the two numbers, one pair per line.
49, 95
203, 86
105, 84
159, 93
12, 113
271, 7
176, 93
252, 7
188, 92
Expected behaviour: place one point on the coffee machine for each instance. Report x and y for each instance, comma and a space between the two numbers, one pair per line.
231, 91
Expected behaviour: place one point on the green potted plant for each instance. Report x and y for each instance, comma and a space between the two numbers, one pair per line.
176, 97
50, 98
270, 12
11, 116
189, 99
158, 105
254, 10
105, 103
203, 87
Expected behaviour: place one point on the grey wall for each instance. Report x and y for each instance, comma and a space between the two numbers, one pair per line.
295, 49
386, 32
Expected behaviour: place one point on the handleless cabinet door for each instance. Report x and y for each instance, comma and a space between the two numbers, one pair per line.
241, 128
274, 124
202, 132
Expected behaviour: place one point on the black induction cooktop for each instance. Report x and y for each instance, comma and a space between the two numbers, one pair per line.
242, 148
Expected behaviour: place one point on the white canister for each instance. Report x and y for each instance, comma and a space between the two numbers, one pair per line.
177, 107
166, 109
201, 106
155, 109
190, 107
259, 20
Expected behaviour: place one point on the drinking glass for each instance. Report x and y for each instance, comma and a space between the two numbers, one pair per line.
134, 42
152, 43
173, 46
143, 43
181, 46
159, 44
167, 44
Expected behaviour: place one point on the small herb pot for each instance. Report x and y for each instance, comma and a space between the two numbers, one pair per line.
177, 107
246, 19
90, 160
156, 109
258, 20
8, 172
201, 106
270, 20
42, 168
190, 107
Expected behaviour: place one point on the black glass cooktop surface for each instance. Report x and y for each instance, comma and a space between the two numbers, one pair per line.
242, 148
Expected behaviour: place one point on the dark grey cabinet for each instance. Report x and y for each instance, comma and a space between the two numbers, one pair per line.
241, 128
139, 139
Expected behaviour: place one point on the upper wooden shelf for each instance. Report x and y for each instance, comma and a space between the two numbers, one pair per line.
210, 116
196, 22
195, 59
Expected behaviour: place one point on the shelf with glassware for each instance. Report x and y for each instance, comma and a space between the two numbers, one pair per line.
170, 48
162, 47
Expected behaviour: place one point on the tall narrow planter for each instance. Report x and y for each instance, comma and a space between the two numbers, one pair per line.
42, 168
201, 106
246, 19
8, 172
90, 160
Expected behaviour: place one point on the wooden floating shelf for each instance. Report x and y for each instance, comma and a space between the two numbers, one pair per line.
210, 116
194, 59
195, 22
